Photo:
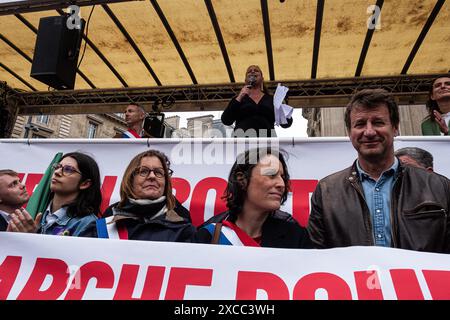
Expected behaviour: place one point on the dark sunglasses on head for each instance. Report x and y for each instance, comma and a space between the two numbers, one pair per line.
66, 170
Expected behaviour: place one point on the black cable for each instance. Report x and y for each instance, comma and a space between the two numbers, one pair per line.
167, 102
87, 31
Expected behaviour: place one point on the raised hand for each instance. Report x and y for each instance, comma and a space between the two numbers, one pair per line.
441, 122
21, 221
244, 91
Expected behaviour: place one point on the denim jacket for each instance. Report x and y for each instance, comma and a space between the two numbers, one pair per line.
65, 225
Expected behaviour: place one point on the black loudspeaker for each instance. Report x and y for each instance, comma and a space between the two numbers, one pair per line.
56, 52
154, 124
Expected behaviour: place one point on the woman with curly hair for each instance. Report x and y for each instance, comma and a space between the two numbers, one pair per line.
258, 185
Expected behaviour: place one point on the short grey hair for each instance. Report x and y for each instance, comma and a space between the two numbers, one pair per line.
422, 157
140, 106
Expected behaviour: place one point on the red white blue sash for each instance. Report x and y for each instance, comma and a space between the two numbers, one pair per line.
108, 229
232, 235
131, 134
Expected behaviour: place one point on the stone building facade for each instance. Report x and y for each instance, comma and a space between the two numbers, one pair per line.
108, 125
197, 127
69, 126
208, 127
322, 122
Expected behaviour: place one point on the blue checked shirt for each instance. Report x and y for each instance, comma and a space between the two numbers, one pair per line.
378, 199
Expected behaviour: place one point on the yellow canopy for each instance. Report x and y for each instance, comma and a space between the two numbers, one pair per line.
285, 52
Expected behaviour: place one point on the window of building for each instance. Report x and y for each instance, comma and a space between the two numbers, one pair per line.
43, 118
92, 130
120, 115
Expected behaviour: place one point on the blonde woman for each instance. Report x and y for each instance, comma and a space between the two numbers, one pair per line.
252, 109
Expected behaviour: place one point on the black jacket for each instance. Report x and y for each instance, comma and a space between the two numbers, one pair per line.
420, 203
169, 227
249, 115
162, 228
3, 224
280, 230
179, 209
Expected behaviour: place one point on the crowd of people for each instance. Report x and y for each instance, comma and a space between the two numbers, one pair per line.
385, 198
149, 211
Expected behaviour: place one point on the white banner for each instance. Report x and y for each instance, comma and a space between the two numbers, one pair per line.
201, 166
33, 267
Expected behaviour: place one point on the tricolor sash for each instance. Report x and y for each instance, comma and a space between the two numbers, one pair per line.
130, 134
108, 229
232, 235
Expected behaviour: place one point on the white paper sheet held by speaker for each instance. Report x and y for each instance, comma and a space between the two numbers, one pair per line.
282, 111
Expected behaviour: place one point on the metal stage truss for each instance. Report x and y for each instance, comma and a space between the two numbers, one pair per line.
407, 90
17, 7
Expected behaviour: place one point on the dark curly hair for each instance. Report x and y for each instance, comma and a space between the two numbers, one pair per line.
235, 193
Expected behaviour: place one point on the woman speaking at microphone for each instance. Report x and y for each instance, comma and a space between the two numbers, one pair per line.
252, 109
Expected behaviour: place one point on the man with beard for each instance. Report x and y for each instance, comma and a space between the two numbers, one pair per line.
378, 201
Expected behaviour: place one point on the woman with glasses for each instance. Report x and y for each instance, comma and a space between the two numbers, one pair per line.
258, 185
75, 196
147, 208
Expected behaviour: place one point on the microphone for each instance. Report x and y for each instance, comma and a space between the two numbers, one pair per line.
251, 81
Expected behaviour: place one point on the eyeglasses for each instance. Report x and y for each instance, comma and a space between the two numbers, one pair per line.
66, 170
158, 172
